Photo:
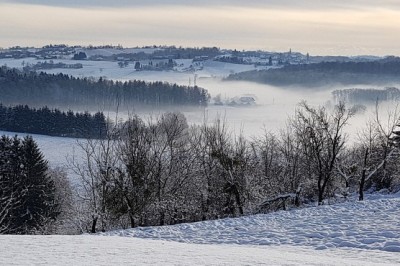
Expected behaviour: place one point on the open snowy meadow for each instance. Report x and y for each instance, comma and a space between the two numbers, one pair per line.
100, 250
351, 233
370, 225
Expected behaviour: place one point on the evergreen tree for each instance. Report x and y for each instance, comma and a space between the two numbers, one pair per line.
27, 189
39, 200
52, 122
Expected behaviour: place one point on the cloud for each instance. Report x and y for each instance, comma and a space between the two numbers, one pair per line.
287, 4
330, 30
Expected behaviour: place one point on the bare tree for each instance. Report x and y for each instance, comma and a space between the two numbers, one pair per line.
385, 149
322, 139
379, 143
293, 164
280, 160
135, 186
68, 221
232, 157
175, 158
205, 168
97, 169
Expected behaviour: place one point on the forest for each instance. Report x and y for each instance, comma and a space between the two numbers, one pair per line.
381, 71
39, 89
165, 171
168, 52
52, 122
365, 96
168, 172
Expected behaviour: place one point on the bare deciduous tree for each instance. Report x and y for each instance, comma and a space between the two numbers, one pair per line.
322, 139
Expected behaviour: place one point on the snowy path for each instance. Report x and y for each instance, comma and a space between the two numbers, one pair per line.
101, 250
370, 225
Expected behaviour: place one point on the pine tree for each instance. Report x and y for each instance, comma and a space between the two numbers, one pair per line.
38, 206
27, 196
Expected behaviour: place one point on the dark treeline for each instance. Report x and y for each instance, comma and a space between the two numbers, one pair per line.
360, 96
53, 122
231, 59
167, 172
169, 52
49, 65
39, 89
187, 53
372, 72
389, 66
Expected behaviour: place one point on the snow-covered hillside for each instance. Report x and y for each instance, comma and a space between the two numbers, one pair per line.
111, 70
352, 233
101, 250
369, 225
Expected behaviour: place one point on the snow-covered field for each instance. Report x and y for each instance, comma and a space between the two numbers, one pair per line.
352, 233
370, 225
111, 70
104, 250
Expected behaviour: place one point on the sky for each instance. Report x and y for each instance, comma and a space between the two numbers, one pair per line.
345, 27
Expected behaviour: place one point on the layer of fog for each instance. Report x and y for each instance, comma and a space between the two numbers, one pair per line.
273, 105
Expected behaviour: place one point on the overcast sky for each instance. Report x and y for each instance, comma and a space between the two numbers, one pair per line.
349, 27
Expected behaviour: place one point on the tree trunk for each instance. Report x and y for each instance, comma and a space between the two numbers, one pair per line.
94, 222
361, 192
363, 176
297, 198
237, 198
132, 220
162, 218
320, 196
320, 191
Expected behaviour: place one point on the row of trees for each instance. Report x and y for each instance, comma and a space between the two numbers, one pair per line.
319, 74
362, 96
167, 172
54, 122
28, 196
40, 89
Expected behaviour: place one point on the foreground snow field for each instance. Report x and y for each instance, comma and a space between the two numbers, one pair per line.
351, 233
370, 225
113, 250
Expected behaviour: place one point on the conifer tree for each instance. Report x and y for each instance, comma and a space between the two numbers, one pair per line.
38, 205
27, 197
